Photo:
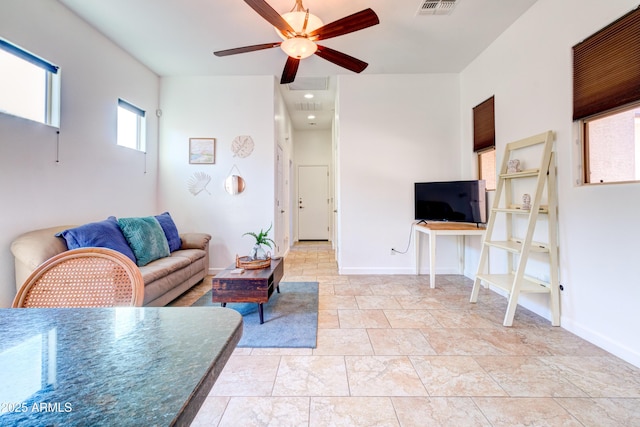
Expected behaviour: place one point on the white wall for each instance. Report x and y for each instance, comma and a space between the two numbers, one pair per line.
312, 148
221, 108
394, 130
94, 178
529, 69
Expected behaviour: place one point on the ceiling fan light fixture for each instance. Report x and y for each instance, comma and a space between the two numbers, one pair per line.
299, 30
299, 47
296, 21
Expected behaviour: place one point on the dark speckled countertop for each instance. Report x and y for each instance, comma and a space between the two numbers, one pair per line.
111, 366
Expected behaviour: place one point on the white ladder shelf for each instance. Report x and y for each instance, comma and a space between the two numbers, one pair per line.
518, 249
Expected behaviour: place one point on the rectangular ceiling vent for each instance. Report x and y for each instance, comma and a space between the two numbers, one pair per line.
437, 7
309, 83
308, 106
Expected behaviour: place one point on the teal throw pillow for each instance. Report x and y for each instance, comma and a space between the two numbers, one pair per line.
145, 237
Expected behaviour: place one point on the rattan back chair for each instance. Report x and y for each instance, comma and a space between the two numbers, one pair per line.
85, 277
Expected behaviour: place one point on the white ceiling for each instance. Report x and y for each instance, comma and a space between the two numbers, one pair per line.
178, 37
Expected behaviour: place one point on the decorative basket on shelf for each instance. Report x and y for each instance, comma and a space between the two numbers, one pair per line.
252, 264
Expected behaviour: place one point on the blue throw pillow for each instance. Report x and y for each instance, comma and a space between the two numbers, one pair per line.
103, 234
145, 237
170, 231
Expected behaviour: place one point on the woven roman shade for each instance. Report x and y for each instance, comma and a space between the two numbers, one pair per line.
484, 125
606, 68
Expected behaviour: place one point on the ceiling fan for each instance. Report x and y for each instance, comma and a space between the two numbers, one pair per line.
300, 30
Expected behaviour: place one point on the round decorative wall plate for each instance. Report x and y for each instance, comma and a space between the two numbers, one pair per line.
242, 146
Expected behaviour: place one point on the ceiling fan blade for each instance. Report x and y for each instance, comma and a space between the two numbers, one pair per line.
273, 17
358, 21
341, 59
246, 49
290, 70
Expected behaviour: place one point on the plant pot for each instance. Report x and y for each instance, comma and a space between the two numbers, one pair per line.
258, 253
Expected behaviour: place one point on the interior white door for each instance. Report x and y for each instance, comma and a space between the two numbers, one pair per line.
313, 203
280, 205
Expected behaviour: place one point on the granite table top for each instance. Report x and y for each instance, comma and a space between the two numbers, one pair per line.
124, 366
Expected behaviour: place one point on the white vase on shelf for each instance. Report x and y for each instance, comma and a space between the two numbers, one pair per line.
513, 166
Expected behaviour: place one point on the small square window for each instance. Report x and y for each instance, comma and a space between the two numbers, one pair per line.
612, 146
487, 167
606, 101
131, 126
29, 85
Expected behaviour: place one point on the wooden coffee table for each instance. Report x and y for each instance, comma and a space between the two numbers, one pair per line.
249, 286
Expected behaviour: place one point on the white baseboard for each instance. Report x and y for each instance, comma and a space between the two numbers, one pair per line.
354, 271
440, 271
576, 328
286, 252
604, 342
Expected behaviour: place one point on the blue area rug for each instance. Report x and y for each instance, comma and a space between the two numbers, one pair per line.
290, 317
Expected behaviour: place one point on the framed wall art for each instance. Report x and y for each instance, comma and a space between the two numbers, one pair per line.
202, 151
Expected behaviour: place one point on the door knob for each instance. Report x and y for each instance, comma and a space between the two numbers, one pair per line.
281, 210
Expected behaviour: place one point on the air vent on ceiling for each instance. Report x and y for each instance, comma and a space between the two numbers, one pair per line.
308, 106
437, 7
310, 83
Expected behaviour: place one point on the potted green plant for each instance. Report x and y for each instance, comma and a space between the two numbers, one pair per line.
258, 252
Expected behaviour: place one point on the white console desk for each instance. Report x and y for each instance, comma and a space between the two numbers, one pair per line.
435, 229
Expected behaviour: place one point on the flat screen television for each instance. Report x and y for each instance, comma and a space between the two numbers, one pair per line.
459, 201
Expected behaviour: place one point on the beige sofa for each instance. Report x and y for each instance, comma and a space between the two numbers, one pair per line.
165, 279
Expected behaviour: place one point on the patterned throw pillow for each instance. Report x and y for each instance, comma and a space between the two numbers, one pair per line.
170, 231
102, 234
145, 237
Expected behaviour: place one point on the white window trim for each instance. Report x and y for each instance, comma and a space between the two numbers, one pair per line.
141, 142
52, 90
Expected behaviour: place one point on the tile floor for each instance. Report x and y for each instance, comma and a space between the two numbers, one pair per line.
393, 352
